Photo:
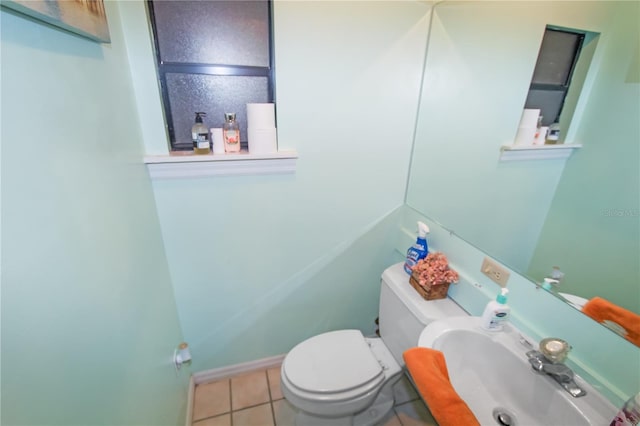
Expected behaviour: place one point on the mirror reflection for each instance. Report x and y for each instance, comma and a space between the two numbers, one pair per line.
581, 214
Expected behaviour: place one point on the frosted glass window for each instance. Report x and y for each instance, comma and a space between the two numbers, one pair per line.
213, 32
214, 95
212, 56
548, 101
557, 58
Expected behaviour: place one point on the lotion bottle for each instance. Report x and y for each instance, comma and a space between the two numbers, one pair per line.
419, 250
496, 312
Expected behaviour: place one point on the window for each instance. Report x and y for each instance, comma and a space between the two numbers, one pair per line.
214, 57
552, 75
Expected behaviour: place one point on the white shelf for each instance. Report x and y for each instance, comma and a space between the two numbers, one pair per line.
185, 164
537, 152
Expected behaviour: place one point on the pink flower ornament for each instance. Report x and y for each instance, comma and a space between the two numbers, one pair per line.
434, 270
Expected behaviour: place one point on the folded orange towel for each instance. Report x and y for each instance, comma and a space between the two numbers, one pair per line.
429, 372
602, 310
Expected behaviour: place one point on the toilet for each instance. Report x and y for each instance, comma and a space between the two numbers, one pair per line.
344, 378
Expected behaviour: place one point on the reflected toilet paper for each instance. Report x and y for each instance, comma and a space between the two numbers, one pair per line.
528, 127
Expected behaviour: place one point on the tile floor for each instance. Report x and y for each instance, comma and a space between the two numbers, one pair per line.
255, 399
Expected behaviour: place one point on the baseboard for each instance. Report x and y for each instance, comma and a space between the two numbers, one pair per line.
190, 396
232, 370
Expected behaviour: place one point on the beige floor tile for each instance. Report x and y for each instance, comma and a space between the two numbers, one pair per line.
223, 420
274, 383
403, 391
414, 414
211, 399
284, 413
254, 416
249, 389
391, 419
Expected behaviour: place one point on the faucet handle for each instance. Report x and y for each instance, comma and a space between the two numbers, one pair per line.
554, 349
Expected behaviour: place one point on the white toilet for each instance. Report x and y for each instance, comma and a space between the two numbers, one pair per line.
344, 378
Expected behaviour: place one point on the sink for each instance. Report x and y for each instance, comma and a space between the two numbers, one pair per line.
490, 372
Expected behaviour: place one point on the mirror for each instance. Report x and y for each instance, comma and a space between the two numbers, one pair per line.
581, 214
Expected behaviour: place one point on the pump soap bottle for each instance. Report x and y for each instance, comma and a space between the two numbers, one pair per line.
496, 312
200, 136
419, 250
231, 133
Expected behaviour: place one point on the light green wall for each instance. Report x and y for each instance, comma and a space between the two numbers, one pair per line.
479, 66
89, 321
595, 213
608, 362
261, 262
476, 81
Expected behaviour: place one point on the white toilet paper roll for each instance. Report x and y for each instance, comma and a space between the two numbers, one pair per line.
218, 140
529, 118
525, 135
261, 116
262, 141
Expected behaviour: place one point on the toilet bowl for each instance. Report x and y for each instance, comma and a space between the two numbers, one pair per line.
344, 378
340, 377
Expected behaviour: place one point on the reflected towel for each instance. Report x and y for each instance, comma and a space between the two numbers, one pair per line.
605, 312
429, 372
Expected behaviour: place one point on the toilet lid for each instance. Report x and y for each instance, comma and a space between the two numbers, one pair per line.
332, 362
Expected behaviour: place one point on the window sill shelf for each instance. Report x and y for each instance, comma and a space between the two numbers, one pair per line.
537, 152
187, 165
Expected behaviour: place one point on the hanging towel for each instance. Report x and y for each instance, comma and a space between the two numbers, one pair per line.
606, 312
429, 372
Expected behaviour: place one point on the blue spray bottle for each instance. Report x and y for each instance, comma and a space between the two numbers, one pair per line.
419, 250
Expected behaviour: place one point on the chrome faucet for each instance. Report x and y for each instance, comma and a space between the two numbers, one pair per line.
558, 371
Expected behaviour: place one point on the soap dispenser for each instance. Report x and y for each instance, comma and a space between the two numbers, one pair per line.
496, 312
200, 136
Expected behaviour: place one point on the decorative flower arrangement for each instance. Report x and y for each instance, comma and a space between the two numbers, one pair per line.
434, 270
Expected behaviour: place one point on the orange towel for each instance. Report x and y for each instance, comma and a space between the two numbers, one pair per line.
429, 372
602, 310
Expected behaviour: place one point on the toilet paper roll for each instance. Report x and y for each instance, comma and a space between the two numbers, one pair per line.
217, 140
525, 135
262, 141
529, 118
261, 116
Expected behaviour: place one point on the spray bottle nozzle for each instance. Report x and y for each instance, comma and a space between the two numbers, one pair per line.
423, 230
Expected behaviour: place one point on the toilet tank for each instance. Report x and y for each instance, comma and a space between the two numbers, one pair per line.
404, 313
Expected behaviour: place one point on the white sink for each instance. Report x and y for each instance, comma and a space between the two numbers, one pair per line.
491, 373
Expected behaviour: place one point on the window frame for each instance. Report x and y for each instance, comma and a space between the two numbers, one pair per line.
564, 88
163, 68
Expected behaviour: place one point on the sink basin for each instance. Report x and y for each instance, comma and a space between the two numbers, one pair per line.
490, 372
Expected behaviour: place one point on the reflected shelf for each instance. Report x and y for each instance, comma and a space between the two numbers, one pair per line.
537, 152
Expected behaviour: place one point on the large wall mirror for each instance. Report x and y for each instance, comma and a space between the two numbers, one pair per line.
581, 214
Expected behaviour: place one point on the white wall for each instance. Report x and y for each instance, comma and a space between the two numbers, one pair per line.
89, 321
259, 263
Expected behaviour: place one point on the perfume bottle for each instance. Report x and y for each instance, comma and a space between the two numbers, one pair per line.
231, 133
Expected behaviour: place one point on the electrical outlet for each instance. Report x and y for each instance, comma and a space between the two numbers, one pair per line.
497, 273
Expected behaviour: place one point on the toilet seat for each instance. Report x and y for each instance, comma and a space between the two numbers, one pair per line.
333, 367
